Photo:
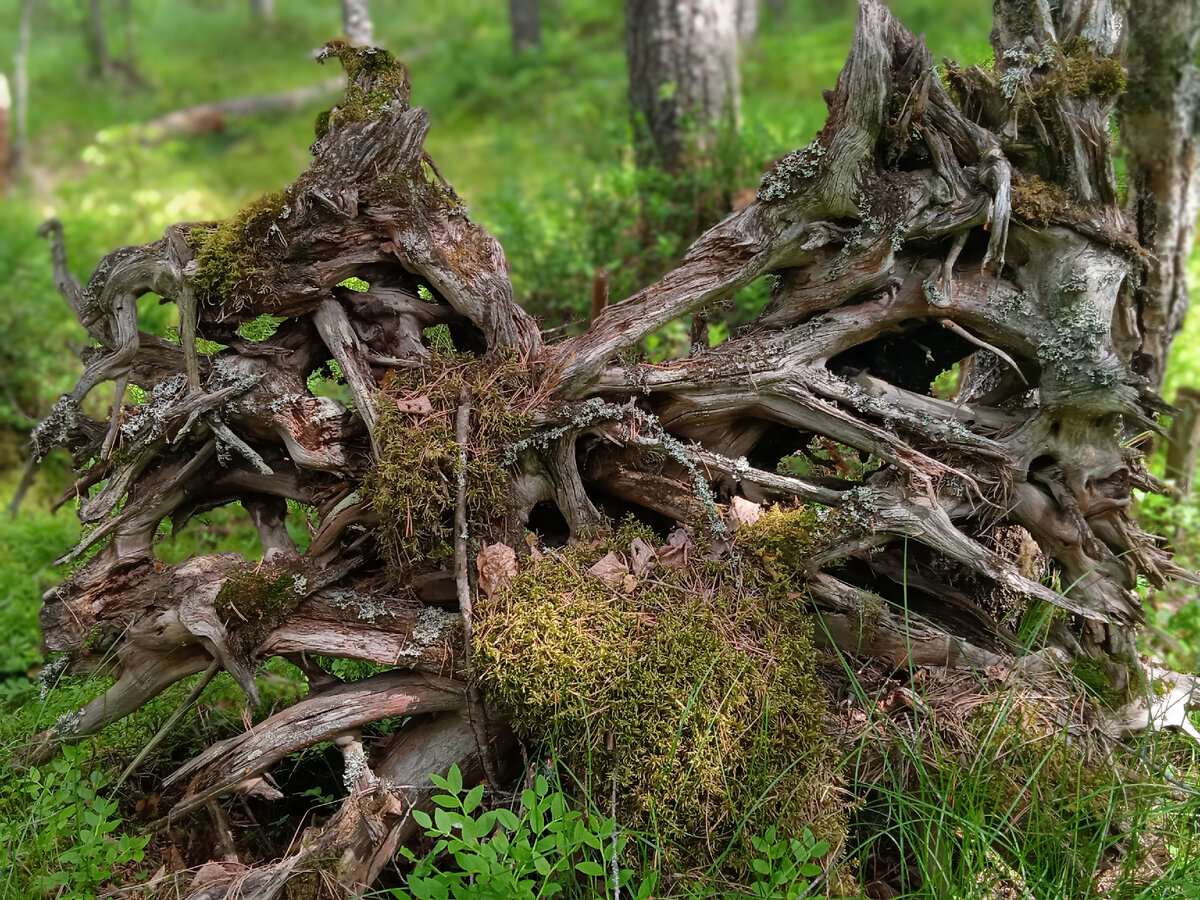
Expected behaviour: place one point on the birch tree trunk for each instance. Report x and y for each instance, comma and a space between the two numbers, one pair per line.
524, 18
683, 75
747, 20
21, 91
926, 227
263, 11
356, 23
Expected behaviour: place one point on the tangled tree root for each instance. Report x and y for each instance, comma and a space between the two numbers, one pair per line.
799, 486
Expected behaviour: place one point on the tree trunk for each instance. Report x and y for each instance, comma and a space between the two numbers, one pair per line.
524, 18
921, 230
683, 75
97, 40
21, 85
263, 11
747, 20
6, 166
1160, 128
356, 23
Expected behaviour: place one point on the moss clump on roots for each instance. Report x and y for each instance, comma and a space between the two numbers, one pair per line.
703, 679
413, 485
1037, 201
233, 261
375, 81
785, 540
252, 603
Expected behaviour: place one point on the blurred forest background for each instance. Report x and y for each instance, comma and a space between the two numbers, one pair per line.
537, 142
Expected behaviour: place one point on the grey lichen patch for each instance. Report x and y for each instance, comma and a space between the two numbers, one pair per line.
787, 175
68, 723
148, 421
54, 666
650, 431
56, 429
367, 608
431, 631
579, 416
1078, 331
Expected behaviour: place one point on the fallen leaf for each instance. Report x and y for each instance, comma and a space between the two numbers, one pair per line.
611, 569
642, 555
718, 549
497, 564
215, 872
418, 406
534, 553
742, 512
674, 553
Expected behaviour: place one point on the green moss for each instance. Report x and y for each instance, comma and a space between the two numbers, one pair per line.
251, 603
785, 540
234, 257
375, 81
1094, 76
413, 485
321, 126
1038, 202
1097, 676
701, 679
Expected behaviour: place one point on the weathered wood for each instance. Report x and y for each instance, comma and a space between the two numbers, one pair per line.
207, 118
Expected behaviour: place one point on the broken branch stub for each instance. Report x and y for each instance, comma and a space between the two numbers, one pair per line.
968, 229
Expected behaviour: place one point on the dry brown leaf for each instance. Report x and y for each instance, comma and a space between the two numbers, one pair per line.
497, 564
611, 569
534, 553
642, 555
675, 552
215, 872
418, 406
742, 512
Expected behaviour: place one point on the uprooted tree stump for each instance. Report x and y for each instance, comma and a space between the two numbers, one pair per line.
510, 528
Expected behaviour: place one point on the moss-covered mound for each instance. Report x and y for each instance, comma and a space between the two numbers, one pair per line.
696, 685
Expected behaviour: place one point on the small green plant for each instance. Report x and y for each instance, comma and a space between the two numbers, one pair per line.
68, 842
548, 850
786, 865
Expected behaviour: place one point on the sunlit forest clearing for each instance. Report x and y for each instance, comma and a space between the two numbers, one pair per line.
1004, 795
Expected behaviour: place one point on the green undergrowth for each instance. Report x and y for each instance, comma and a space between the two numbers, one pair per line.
68, 829
694, 688
413, 486
975, 791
